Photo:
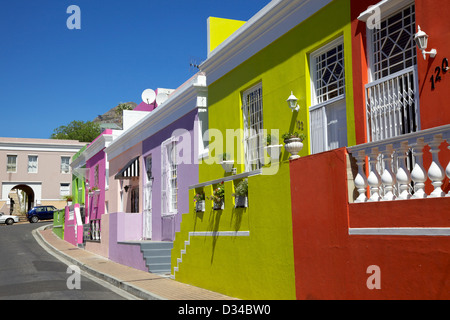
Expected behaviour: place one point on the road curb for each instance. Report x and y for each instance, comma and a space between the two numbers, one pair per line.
123, 285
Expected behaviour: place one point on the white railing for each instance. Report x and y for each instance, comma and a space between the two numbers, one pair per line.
392, 105
389, 177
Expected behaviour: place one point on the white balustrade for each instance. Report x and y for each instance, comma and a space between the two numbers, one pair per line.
395, 166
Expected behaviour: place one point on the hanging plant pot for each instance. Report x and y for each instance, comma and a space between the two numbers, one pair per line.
218, 205
241, 201
227, 165
293, 146
200, 206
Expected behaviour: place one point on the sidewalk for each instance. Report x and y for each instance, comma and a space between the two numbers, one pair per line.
144, 285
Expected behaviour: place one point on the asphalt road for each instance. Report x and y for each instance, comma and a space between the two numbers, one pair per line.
29, 272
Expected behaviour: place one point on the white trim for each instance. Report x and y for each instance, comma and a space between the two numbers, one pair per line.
400, 231
386, 7
206, 234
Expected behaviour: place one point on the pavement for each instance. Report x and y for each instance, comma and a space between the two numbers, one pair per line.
140, 284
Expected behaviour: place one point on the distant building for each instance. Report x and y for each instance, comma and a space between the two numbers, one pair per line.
35, 172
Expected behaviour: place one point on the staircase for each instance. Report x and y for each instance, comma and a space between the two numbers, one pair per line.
157, 255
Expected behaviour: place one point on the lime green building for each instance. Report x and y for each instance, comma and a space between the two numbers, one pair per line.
289, 48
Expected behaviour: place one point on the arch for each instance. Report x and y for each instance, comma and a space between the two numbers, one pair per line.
26, 203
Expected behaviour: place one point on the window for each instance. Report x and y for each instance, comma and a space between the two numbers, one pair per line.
64, 189
65, 168
32, 164
252, 105
11, 166
328, 108
392, 105
169, 179
393, 47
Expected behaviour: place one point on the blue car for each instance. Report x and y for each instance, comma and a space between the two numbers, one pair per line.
41, 213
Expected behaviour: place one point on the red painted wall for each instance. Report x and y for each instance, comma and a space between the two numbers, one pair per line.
331, 264
434, 104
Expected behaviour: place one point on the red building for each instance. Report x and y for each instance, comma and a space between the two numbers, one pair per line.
373, 220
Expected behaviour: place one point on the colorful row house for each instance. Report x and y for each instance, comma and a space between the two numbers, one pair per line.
303, 161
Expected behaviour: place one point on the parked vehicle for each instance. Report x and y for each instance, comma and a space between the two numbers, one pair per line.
8, 219
41, 213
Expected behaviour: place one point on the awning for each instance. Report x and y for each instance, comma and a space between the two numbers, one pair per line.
130, 170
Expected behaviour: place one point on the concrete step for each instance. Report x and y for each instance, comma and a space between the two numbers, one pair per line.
157, 255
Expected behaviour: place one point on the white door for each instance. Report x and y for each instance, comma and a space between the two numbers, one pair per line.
147, 217
147, 232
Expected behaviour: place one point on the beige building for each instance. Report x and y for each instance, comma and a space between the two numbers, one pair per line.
35, 172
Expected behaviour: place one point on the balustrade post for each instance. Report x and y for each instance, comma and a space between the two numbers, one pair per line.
419, 174
436, 172
360, 179
388, 178
374, 179
403, 174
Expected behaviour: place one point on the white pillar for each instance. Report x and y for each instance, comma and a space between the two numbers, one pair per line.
361, 179
388, 178
374, 179
436, 172
403, 174
419, 175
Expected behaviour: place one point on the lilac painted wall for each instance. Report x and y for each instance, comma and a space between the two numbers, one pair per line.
126, 227
187, 176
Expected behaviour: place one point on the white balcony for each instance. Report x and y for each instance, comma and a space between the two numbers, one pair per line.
396, 169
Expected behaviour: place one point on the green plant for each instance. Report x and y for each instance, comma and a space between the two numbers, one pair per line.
271, 138
290, 135
241, 188
218, 194
199, 197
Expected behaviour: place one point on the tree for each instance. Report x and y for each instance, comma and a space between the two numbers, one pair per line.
77, 130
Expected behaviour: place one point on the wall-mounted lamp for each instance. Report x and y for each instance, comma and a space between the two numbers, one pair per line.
421, 39
292, 101
127, 187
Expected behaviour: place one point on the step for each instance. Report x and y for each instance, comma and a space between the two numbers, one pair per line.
156, 245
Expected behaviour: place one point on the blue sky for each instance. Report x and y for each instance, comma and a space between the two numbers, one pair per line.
50, 75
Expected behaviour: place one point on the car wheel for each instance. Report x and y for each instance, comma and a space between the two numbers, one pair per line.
9, 222
34, 219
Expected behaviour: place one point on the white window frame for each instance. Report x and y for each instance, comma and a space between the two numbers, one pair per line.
386, 96
63, 165
33, 168
8, 165
169, 177
318, 131
253, 128
63, 191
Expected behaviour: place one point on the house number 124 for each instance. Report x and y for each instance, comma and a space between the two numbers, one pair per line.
437, 76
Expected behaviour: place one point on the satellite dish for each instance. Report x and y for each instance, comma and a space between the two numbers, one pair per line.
148, 96
161, 98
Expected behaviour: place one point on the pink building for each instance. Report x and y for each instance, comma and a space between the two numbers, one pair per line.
38, 167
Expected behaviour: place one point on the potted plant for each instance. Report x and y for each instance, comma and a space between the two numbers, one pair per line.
241, 194
293, 143
218, 197
227, 164
199, 200
273, 150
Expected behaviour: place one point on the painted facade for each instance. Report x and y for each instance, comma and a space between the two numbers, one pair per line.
322, 226
276, 62
38, 167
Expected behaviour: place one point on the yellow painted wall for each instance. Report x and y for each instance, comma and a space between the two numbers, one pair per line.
219, 29
260, 266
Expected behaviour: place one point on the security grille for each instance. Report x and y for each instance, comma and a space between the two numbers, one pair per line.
253, 128
329, 75
391, 100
